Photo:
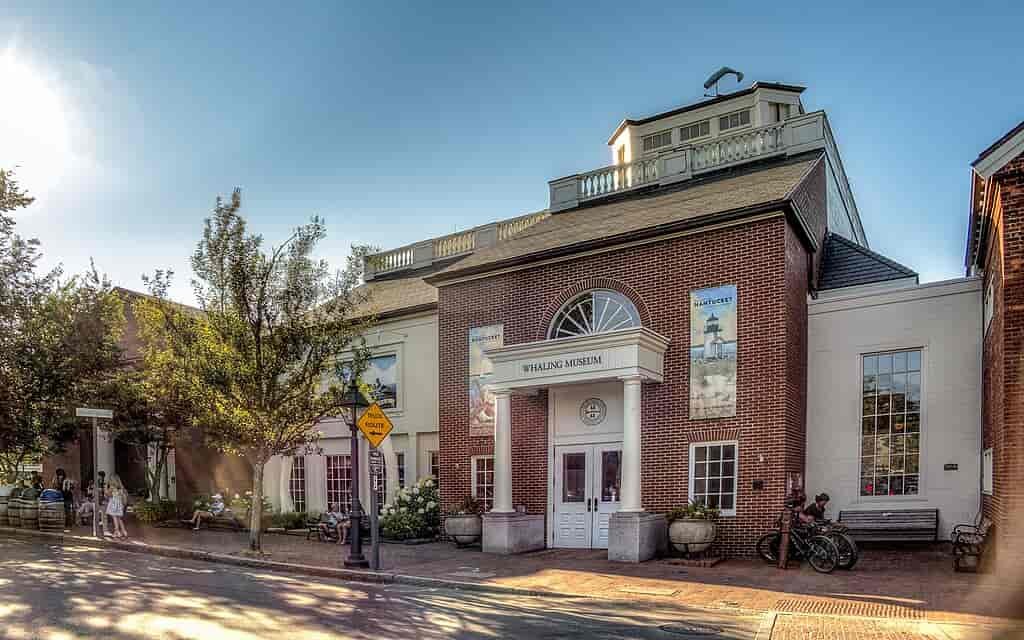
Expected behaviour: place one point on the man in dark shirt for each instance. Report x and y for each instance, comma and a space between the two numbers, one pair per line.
816, 510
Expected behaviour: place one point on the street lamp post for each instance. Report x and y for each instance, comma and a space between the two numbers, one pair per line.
355, 558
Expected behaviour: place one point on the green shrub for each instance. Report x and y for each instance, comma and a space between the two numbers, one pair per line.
289, 520
151, 512
692, 511
415, 513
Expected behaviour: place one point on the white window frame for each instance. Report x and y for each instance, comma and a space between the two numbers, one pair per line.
400, 468
986, 472
327, 485
643, 141
749, 122
988, 304
430, 463
736, 462
706, 121
473, 470
295, 487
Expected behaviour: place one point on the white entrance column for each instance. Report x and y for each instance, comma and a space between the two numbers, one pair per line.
104, 455
504, 530
502, 452
631, 432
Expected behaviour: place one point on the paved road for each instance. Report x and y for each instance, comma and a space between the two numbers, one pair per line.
57, 592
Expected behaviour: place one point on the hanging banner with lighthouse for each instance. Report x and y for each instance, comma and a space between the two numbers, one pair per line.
713, 352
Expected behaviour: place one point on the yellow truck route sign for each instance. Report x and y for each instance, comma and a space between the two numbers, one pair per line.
375, 425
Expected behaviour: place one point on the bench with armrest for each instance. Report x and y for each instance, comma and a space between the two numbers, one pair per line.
892, 525
969, 542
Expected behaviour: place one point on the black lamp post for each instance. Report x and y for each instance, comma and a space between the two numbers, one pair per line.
355, 557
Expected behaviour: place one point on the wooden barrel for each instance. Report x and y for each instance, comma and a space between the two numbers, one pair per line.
51, 516
29, 509
14, 509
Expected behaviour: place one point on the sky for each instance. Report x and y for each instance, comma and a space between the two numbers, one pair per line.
401, 121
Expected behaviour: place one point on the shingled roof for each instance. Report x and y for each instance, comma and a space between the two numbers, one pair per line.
388, 297
847, 264
733, 193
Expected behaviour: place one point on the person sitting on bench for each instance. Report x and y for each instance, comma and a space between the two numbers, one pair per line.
216, 509
335, 522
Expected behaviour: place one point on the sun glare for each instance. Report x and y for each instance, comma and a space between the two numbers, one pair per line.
33, 125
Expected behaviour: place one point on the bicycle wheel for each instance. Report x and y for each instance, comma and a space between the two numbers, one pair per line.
768, 546
848, 553
822, 554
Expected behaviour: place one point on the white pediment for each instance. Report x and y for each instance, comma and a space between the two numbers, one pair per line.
637, 352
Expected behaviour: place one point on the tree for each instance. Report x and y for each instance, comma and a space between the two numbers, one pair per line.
267, 351
62, 343
56, 339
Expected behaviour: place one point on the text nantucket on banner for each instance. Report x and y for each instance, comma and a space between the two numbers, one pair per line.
713, 352
481, 402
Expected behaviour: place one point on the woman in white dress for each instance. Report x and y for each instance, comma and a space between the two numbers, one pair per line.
117, 499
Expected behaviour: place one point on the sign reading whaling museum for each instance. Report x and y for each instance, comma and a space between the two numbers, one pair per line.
713, 352
561, 363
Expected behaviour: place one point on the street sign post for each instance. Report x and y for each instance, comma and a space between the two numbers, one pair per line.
375, 425
95, 414
376, 480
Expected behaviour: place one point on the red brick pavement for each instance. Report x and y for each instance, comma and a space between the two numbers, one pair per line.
913, 586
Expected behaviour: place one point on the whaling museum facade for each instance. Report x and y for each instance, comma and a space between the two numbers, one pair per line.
699, 321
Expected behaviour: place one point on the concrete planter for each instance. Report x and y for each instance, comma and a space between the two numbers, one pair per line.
692, 536
465, 529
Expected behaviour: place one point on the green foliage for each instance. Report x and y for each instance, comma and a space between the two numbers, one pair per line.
261, 360
469, 506
292, 520
151, 512
415, 513
692, 511
241, 503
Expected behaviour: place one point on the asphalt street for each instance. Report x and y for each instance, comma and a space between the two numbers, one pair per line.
65, 591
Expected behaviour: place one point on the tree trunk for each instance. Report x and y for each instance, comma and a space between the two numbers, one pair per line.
256, 511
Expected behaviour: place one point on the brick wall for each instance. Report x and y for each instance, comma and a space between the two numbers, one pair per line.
1003, 378
768, 265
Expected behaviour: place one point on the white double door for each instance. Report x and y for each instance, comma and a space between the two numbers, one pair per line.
587, 483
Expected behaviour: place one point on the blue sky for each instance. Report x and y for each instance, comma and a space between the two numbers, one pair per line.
397, 122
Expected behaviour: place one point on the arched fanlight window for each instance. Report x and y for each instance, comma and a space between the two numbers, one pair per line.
596, 311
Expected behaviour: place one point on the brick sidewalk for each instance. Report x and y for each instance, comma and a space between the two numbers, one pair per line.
913, 586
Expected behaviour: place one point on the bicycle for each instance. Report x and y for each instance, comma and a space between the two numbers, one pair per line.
804, 542
837, 533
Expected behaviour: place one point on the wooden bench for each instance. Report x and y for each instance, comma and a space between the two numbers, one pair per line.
892, 525
223, 521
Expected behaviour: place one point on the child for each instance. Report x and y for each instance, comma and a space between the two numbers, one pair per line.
85, 509
117, 499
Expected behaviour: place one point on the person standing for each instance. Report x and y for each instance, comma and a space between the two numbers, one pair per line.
101, 500
117, 500
66, 487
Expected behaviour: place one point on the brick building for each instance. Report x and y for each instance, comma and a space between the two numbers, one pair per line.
700, 320
995, 251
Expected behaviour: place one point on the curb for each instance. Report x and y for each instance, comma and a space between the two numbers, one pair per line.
372, 577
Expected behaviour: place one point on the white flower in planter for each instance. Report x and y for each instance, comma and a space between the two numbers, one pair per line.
422, 511
431, 504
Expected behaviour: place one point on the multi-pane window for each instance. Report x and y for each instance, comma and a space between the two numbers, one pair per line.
483, 480
339, 482
696, 130
621, 155
713, 475
890, 453
400, 457
595, 311
657, 140
297, 484
435, 464
733, 120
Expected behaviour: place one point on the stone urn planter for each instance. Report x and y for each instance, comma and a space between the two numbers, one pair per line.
690, 535
464, 529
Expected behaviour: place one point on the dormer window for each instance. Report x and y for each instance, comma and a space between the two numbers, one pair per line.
734, 120
779, 111
696, 130
657, 140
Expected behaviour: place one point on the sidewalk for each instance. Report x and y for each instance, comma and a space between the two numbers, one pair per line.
915, 585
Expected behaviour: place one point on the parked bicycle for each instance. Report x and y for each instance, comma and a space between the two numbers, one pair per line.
805, 541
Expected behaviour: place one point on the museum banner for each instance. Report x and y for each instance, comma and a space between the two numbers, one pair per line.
481, 402
713, 352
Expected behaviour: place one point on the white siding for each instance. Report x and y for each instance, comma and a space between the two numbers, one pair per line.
942, 319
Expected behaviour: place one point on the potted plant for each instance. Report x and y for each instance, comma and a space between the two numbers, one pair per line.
691, 529
463, 523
